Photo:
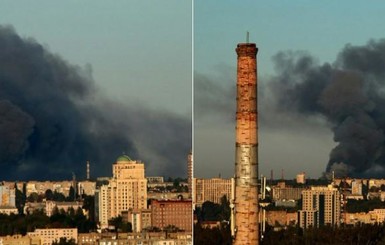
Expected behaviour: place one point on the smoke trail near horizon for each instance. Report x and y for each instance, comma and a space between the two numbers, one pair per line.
349, 94
53, 119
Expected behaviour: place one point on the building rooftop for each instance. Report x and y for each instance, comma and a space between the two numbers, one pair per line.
123, 158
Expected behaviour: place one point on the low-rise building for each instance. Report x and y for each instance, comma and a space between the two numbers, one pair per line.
7, 196
371, 217
176, 213
139, 218
281, 218
283, 192
150, 238
50, 206
20, 240
48, 236
31, 207
8, 210
86, 187
301, 178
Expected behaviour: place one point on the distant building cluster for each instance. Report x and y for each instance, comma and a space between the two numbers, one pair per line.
159, 212
321, 204
48, 236
126, 195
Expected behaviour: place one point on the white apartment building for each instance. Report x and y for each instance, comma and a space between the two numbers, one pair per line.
127, 189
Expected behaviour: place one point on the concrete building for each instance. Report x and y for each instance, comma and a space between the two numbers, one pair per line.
211, 190
155, 179
356, 187
301, 178
190, 173
281, 218
149, 238
127, 189
48, 236
8, 210
308, 218
7, 196
320, 206
31, 207
167, 195
371, 217
51, 205
86, 187
286, 193
40, 187
172, 212
139, 218
19, 240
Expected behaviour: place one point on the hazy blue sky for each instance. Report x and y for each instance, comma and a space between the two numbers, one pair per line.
140, 55
138, 50
321, 28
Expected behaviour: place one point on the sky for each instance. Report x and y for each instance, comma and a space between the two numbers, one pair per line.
289, 140
135, 64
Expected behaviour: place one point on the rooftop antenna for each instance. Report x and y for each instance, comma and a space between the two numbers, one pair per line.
74, 184
88, 170
247, 37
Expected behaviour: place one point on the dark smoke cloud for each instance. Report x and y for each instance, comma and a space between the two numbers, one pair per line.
213, 98
348, 93
53, 119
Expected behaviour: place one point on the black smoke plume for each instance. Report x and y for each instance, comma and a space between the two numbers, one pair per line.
350, 94
53, 119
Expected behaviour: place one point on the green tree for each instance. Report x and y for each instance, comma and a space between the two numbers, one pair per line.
49, 194
225, 209
216, 236
89, 205
59, 197
210, 211
33, 197
71, 195
119, 225
20, 199
64, 241
171, 228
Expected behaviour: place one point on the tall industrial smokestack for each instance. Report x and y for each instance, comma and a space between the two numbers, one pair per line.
246, 156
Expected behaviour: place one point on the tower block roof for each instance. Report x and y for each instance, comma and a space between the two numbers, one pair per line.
123, 158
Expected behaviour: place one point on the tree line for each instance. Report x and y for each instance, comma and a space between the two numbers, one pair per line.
21, 224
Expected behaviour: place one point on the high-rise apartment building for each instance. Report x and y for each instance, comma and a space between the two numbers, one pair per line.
127, 189
190, 173
211, 190
320, 206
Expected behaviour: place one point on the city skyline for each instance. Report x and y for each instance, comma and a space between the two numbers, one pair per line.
116, 94
286, 34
